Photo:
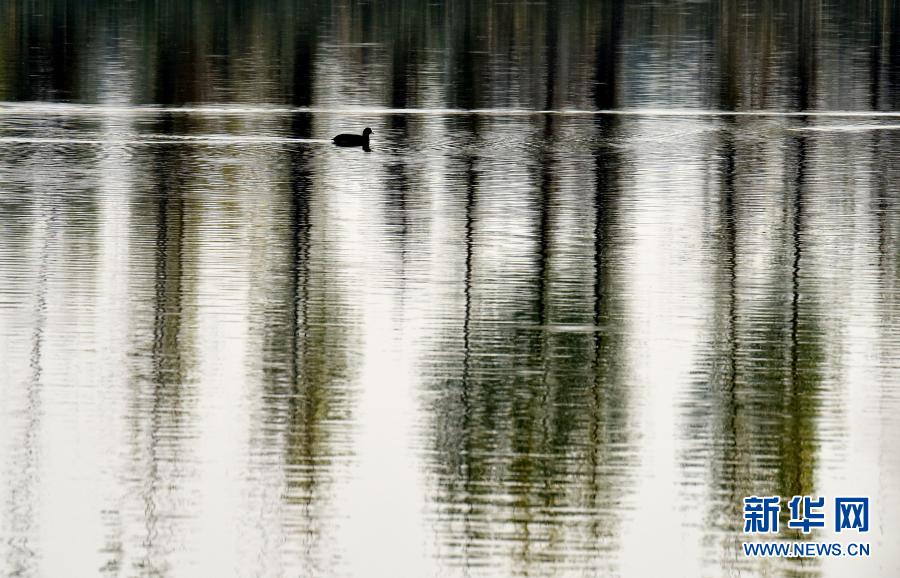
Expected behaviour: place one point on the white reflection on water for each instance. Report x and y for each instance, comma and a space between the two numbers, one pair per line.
666, 220
495, 344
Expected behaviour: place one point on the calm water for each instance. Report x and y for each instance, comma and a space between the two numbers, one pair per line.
606, 270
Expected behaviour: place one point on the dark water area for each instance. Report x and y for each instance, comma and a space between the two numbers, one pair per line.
781, 56
605, 270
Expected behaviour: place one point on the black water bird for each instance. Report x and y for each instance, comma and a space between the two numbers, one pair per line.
353, 140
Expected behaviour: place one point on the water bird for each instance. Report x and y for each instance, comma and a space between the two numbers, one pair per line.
353, 140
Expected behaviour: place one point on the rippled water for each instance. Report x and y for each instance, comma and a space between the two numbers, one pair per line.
540, 328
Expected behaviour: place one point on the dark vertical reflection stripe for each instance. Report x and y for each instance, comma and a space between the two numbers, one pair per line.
801, 404
306, 358
609, 40
304, 437
723, 381
304, 57
729, 29
808, 15
468, 465
875, 54
166, 410
608, 431
891, 92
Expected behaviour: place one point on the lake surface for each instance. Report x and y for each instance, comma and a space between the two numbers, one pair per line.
606, 270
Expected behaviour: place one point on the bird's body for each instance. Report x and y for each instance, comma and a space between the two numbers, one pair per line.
353, 140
